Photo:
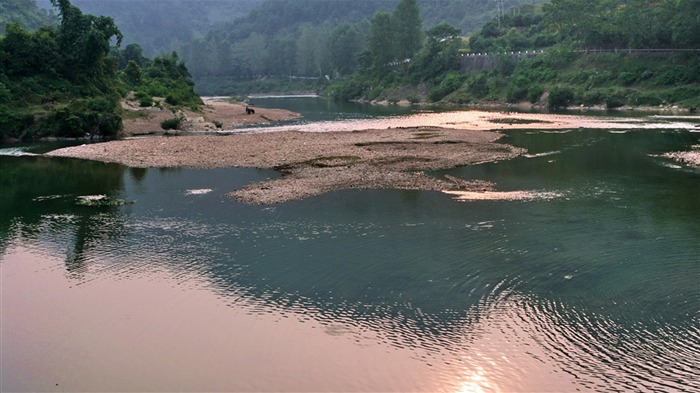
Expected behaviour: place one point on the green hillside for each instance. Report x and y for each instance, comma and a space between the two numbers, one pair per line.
26, 13
309, 38
607, 53
604, 53
67, 80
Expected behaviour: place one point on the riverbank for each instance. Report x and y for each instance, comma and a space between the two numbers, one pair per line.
216, 114
315, 163
318, 162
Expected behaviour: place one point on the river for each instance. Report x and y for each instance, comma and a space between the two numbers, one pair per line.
592, 287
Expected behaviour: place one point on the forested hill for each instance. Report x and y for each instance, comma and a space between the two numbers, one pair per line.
165, 25
162, 26
606, 53
312, 38
67, 80
251, 38
26, 13
601, 53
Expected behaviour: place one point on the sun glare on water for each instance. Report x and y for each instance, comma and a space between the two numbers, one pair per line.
476, 382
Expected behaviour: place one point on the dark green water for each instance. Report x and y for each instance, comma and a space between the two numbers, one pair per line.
594, 289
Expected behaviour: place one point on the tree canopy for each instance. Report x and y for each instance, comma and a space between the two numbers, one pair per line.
25, 13
67, 80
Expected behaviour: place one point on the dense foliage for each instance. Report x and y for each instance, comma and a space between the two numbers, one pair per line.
311, 38
26, 13
65, 81
397, 56
162, 26
647, 55
580, 58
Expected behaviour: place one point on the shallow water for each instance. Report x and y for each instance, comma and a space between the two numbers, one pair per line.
591, 284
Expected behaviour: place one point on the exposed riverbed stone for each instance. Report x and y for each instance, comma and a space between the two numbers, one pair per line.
318, 162
315, 163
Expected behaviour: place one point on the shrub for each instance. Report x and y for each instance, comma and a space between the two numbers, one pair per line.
592, 97
13, 123
478, 86
534, 92
101, 104
173, 99
452, 82
146, 102
615, 99
627, 78
516, 93
173, 123
560, 97
648, 100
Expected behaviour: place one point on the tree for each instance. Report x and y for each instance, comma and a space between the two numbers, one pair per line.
440, 54
132, 52
380, 41
132, 73
253, 51
344, 44
84, 40
686, 24
408, 29
310, 47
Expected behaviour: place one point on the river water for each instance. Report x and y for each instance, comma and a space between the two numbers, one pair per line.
592, 287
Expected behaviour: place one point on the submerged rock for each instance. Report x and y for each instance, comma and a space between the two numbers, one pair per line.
100, 200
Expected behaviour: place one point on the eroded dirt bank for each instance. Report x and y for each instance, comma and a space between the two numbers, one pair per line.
315, 163
217, 113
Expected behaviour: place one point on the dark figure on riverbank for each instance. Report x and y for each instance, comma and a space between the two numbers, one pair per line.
249, 110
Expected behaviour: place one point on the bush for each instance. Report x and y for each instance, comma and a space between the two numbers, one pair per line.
560, 97
67, 124
76, 124
478, 86
592, 97
627, 78
534, 93
452, 82
146, 102
144, 99
615, 99
173, 99
14, 123
101, 104
173, 123
516, 93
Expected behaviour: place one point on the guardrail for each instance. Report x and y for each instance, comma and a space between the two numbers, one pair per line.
482, 61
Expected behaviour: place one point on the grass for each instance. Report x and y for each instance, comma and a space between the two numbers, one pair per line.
426, 135
517, 121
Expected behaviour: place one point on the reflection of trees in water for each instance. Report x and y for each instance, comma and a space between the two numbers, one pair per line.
38, 198
90, 232
138, 174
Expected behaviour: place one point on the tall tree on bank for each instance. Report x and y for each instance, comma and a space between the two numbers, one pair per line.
84, 41
345, 43
395, 37
380, 42
408, 29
